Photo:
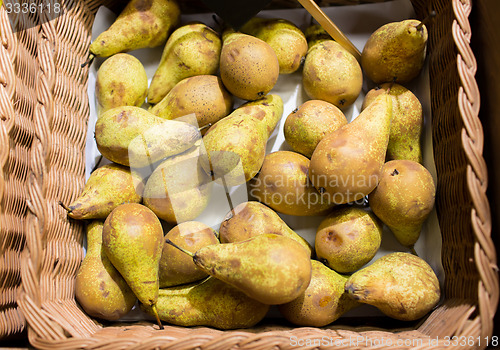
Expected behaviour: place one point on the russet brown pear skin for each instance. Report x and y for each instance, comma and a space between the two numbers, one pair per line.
132, 240
401, 285
346, 164
99, 287
249, 219
211, 303
269, 268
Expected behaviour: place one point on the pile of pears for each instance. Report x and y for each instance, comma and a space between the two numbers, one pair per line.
168, 141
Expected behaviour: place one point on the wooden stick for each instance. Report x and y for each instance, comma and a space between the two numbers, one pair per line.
330, 27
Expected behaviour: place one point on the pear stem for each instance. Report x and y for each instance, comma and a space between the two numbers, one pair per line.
205, 127
88, 61
426, 20
155, 311
413, 251
228, 196
68, 209
168, 241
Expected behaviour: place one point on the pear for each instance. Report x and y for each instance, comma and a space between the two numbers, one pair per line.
331, 73
346, 163
236, 144
249, 67
269, 268
395, 52
286, 39
121, 81
407, 121
401, 285
193, 49
348, 239
99, 287
134, 137
249, 219
306, 126
106, 188
211, 303
132, 238
176, 267
141, 24
323, 302
403, 199
315, 34
203, 95
283, 185
179, 189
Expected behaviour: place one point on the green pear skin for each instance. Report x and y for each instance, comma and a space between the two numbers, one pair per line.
121, 81
269, 268
175, 266
323, 302
348, 239
407, 121
99, 287
395, 52
286, 39
132, 239
346, 164
315, 34
404, 199
193, 49
107, 187
211, 303
401, 285
134, 137
141, 24
249, 219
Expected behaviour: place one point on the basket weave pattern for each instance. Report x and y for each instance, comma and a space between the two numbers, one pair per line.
44, 112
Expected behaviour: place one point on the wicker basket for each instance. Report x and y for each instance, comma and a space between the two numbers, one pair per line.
44, 112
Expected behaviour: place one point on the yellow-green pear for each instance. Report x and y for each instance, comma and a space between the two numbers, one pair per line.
253, 218
323, 302
407, 121
211, 303
141, 24
121, 81
193, 49
403, 199
134, 137
315, 34
287, 40
346, 164
401, 285
107, 187
395, 52
99, 287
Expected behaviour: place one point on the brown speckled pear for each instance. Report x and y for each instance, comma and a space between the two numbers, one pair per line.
395, 52
179, 190
99, 287
134, 137
204, 95
141, 24
249, 219
283, 185
269, 268
348, 239
315, 33
106, 188
306, 126
211, 303
287, 40
175, 266
236, 144
121, 81
403, 199
249, 67
323, 302
401, 285
132, 239
346, 163
193, 49
331, 73
407, 121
